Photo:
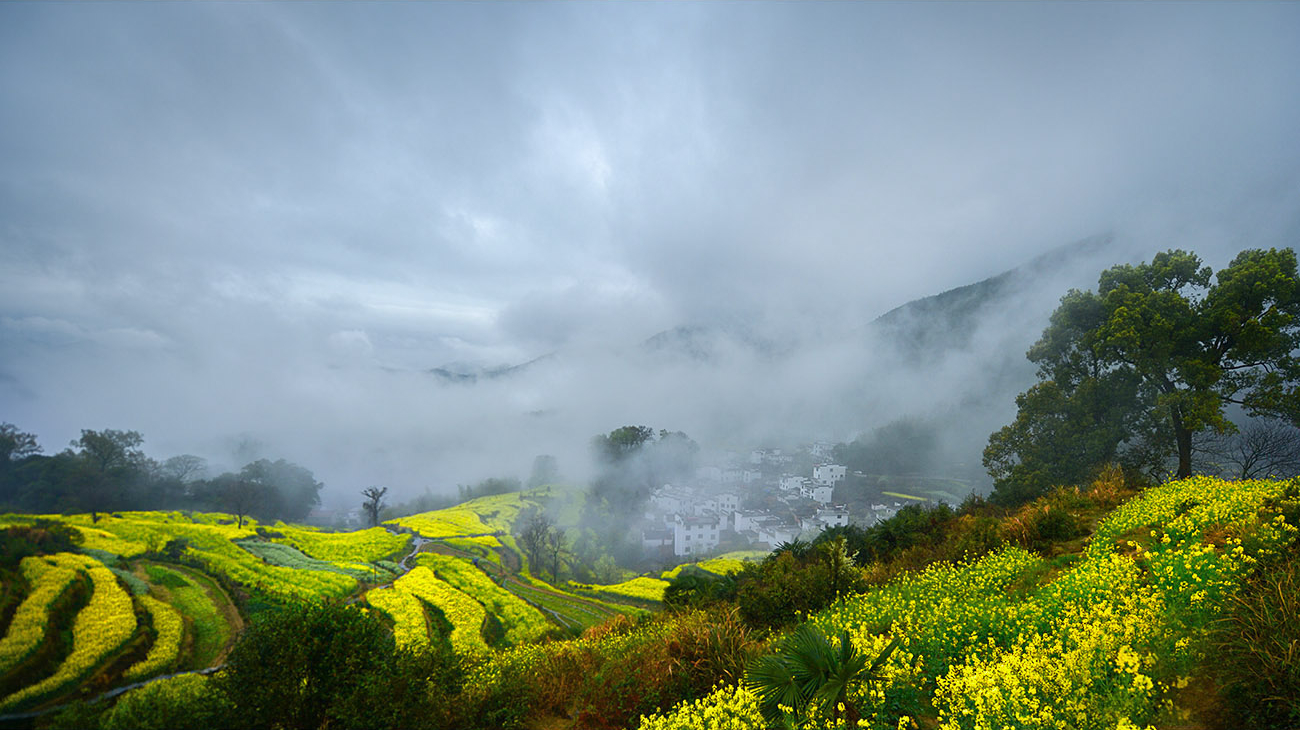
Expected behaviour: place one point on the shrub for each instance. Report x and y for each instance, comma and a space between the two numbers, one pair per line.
1256, 648
42, 538
649, 670
187, 702
777, 592
312, 665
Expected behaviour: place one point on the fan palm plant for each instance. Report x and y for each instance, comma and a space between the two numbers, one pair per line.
807, 673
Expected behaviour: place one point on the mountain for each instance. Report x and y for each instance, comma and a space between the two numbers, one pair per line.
708, 343
468, 373
949, 320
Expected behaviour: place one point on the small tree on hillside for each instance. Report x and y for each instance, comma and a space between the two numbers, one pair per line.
374, 503
241, 496
557, 544
533, 536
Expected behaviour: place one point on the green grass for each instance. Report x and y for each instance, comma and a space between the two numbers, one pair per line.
571, 613
187, 595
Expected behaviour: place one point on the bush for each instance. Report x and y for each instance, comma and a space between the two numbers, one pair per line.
316, 665
780, 590
619, 671
1255, 652
695, 588
650, 671
180, 703
42, 538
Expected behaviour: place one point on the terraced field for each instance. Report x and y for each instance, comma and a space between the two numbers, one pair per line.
123, 610
150, 593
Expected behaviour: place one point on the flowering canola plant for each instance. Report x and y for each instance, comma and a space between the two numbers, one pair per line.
1102, 645
451, 522
48, 580
410, 627
465, 614
183, 592
363, 546
522, 622
641, 587
100, 628
166, 647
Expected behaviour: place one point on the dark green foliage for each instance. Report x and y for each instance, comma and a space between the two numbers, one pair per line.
40, 538
1255, 653
696, 588
1057, 524
187, 702
623, 670
107, 470
905, 446
318, 665
910, 526
807, 671
782, 588
80, 715
487, 488
632, 462
1131, 373
494, 633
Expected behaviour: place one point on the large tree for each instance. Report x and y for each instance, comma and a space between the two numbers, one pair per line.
112, 467
16, 445
290, 490
1135, 370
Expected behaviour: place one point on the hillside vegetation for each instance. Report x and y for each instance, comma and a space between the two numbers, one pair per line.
1109, 607
89, 604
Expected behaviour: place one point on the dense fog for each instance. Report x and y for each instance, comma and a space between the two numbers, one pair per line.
417, 245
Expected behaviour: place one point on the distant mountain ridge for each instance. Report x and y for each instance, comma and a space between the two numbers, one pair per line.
704, 343
918, 330
468, 374
948, 319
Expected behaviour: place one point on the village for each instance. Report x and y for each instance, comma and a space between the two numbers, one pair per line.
751, 503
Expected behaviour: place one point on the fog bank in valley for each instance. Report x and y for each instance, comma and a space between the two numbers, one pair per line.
416, 245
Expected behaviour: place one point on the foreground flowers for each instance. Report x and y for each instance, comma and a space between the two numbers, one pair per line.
1104, 644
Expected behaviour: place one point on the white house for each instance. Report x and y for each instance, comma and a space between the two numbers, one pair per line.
656, 539
709, 474
818, 492
671, 499
694, 535
831, 474
792, 483
775, 532
821, 449
728, 502
747, 520
837, 516
883, 511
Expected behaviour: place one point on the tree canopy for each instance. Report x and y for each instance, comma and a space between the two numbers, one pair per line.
1132, 372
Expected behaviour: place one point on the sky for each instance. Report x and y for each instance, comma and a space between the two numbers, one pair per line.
253, 227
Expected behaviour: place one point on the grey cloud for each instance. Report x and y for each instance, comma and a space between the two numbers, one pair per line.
273, 219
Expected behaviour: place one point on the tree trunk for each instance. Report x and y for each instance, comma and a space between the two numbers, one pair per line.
1184, 439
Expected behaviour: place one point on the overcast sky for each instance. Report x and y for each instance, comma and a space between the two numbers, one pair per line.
222, 218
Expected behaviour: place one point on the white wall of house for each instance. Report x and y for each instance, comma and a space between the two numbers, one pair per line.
829, 473
695, 535
821, 493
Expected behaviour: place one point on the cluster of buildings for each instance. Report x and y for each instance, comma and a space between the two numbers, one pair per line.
692, 520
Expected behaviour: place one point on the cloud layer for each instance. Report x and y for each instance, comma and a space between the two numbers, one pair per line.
270, 219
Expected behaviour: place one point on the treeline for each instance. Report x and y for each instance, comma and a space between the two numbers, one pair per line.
107, 471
